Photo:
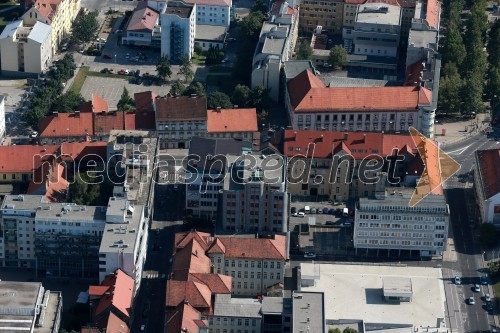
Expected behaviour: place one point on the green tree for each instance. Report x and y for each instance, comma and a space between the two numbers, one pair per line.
197, 48
68, 102
195, 88
241, 95
177, 89
259, 98
454, 49
260, 6
338, 56
349, 330
334, 330
494, 45
186, 68
472, 94
89, 189
218, 99
494, 88
450, 89
305, 51
488, 235
213, 56
126, 103
251, 25
85, 28
164, 68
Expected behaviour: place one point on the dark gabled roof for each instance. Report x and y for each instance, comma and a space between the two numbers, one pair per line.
171, 108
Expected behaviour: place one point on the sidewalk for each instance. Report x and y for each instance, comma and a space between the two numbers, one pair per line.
456, 131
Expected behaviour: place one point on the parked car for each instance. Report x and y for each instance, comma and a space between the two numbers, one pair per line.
458, 281
104, 70
329, 223
302, 214
471, 301
331, 211
309, 255
138, 73
325, 210
484, 280
111, 71
293, 210
487, 298
107, 56
346, 225
307, 209
314, 210
126, 72
477, 288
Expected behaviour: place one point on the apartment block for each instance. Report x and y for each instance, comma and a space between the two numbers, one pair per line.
213, 12
25, 50
254, 197
29, 307
389, 225
312, 105
206, 173
487, 185
328, 14
143, 27
124, 240
178, 30
332, 165
59, 14
276, 45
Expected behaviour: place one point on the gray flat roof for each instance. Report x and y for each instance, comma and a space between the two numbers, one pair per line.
368, 14
396, 198
207, 32
340, 81
309, 311
40, 32
276, 305
121, 236
18, 295
10, 29
226, 306
179, 8
420, 38
68, 212
360, 286
23, 202
293, 68
395, 286
255, 167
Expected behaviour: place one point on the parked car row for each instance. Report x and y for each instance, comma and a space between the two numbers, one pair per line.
338, 212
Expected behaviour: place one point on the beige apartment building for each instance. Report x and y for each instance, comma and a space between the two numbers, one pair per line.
325, 13
59, 14
326, 165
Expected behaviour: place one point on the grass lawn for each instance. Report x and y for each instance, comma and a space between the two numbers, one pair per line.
118, 76
198, 59
79, 79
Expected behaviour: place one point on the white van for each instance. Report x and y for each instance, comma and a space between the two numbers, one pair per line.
307, 209
345, 212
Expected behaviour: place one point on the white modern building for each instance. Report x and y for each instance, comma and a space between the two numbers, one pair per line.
178, 30
377, 30
25, 50
29, 307
2, 117
213, 12
276, 44
389, 225
366, 288
124, 241
487, 185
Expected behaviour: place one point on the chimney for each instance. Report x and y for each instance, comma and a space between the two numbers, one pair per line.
346, 136
294, 135
194, 95
77, 114
217, 109
56, 114
364, 137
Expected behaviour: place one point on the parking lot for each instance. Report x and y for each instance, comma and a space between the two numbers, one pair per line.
111, 89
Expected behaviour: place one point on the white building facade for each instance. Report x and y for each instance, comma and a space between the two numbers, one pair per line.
178, 30
213, 12
2, 118
26, 50
487, 185
391, 225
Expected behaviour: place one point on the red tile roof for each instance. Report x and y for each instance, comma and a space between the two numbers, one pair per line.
66, 124
83, 151
116, 120
217, 283
308, 94
96, 104
181, 108
190, 259
196, 293
184, 316
24, 158
121, 289
144, 110
98, 290
357, 144
143, 18
48, 180
488, 164
433, 13
232, 121
114, 324
47, 8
